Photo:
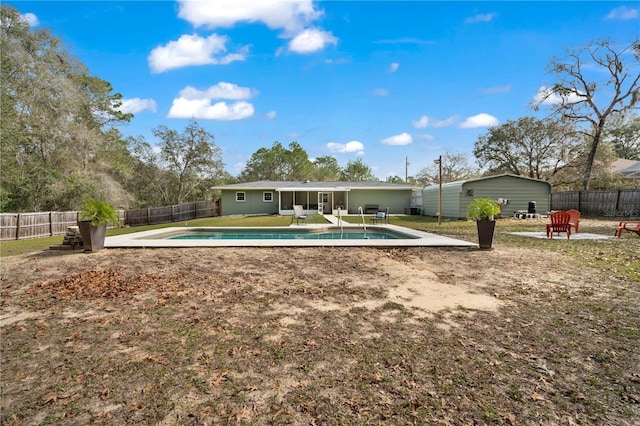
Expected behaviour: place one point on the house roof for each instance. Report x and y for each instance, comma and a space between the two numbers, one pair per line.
627, 168
621, 164
462, 182
313, 186
632, 171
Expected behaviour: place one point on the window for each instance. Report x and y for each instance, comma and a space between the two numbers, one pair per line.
240, 196
267, 197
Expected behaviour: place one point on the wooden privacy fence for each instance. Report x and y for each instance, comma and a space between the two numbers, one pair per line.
622, 203
176, 213
19, 226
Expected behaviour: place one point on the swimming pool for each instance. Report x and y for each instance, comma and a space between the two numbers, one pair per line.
285, 236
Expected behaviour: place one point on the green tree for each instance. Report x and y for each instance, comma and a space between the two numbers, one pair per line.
278, 163
624, 136
395, 179
55, 119
149, 182
191, 157
568, 176
357, 171
590, 103
299, 165
526, 147
455, 167
326, 169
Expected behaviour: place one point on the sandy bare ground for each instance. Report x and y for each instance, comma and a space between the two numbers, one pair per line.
306, 335
422, 285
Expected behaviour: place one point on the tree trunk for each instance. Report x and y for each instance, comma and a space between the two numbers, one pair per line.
592, 155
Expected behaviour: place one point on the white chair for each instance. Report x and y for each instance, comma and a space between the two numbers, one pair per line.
299, 215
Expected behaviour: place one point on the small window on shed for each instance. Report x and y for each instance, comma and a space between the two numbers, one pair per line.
469, 192
267, 197
240, 197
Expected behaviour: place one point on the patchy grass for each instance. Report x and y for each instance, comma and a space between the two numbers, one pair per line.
316, 335
13, 248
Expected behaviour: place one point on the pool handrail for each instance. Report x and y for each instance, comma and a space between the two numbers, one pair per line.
364, 225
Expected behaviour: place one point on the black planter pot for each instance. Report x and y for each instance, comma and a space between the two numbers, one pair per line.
485, 233
92, 236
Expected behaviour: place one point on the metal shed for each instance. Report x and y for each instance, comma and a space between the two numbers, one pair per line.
515, 193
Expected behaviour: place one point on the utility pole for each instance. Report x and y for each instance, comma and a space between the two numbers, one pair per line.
439, 163
406, 169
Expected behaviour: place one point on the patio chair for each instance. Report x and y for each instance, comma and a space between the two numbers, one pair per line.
381, 216
560, 222
298, 215
632, 226
574, 219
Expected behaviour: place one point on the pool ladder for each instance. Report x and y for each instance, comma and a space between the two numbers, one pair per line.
364, 225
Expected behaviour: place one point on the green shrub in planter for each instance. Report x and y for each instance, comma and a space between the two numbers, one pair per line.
98, 213
95, 215
484, 211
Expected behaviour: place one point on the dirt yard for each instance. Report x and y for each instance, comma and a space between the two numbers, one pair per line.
318, 336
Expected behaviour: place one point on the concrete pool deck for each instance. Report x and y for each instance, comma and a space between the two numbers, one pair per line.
152, 239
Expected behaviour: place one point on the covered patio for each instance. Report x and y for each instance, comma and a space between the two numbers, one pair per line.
313, 200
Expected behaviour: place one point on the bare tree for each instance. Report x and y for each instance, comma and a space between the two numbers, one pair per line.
455, 167
526, 147
579, 96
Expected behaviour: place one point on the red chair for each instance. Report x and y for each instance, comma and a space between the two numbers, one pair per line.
630, 226
560, 222
574, 221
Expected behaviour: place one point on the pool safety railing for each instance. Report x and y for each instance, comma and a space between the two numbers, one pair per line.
364, 225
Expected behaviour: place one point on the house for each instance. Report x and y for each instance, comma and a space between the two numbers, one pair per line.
514, 193
626, 169
278, 197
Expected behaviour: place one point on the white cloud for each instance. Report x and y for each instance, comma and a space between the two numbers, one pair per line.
311, 40
202, 109
484, 17
194, 103
622, 13
425, 136
31, 19
222, 90
398, 140
293, 17
380, 92
394, 67
193, 50
480, 120
421, 123
349, 147
136, 105
546, 96
289, 15
271, 115
425, 121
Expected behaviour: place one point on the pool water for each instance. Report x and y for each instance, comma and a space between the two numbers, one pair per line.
288, 234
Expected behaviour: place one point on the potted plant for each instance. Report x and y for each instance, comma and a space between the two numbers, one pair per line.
94, 216
484, 211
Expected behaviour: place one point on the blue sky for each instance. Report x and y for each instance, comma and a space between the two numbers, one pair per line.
381, 80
